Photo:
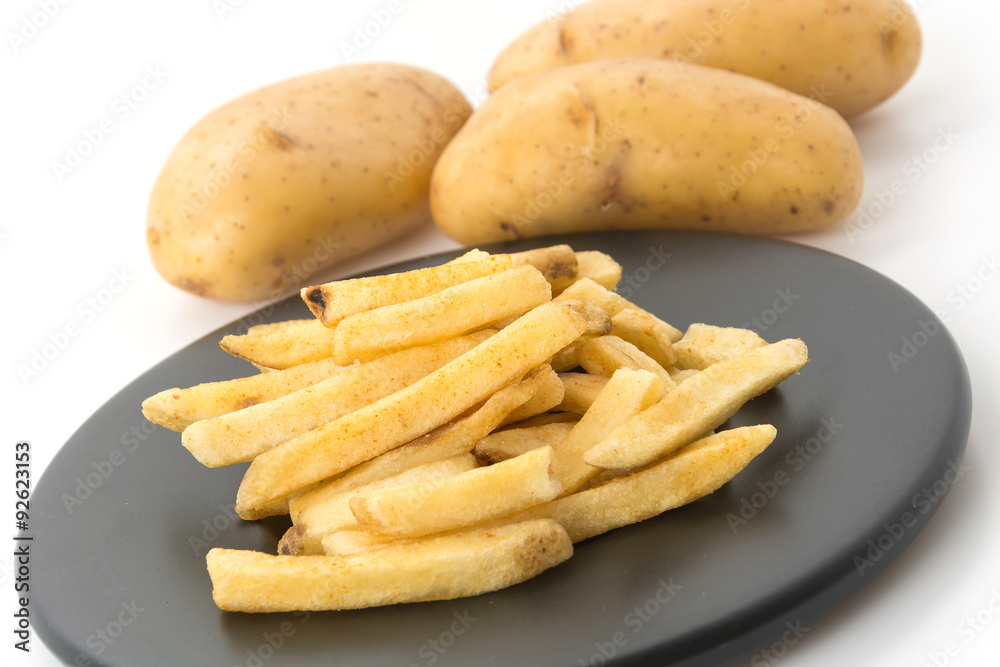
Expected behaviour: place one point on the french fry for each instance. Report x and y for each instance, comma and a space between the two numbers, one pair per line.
580, 390
473, 255
626, 394
177, 409
451, 312
557, 263
414, 410
274, 327
296, 342
606, 354
543, 419
690, 473
332, 302
548, 395
586, 289
334, 514
443, 442
466, 499
506, 444
704, 345
565, 359
698, 406
439, 568
648, 333
679, 376
599, 267
245, 434
354, 541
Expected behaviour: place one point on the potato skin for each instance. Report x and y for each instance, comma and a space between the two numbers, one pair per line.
292, 178
849, 54
645, 144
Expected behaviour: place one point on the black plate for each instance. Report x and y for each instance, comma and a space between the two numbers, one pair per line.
870, 438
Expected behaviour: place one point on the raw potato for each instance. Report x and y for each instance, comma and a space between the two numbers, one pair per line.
849, 54
292, 178
645, 144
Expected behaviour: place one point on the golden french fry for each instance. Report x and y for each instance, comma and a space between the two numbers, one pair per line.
565, 359
466, 499
586, 289
626, 394
177, 409
295, 342
473, 255
451, 312
511, 442
580, 390
606, 354
332, 302
557, 263
438, 568
354, 541
679, 376
648, 333
274, 327
688, 474
543, 419
598, 321
414, 410
698, 406
599, 267
334, 514
548, 395
704, 345
245, 434
443, 442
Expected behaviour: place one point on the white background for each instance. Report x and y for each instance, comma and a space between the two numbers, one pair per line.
63, 242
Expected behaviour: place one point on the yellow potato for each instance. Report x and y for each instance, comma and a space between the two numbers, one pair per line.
645, 144
849, 54
292, 178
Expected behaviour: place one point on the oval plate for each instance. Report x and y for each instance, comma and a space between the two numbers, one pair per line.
870, 437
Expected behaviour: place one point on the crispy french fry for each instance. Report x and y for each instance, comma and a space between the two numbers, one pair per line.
506, 444
704, 345
548, 396
543, 419
679, 376
557, 263
296, 342
334, 514
599, 267
565, 359
606, 354
439, 568
354, 541
242, 435
698, 406
414, 410
466, 499
443, 442
332, 302
473, 255
453, 311
580, 390
177, 409
690, 473
648, 333
274, 327
626, 394
586, 289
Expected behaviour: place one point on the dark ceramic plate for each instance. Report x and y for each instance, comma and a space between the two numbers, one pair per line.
870, 435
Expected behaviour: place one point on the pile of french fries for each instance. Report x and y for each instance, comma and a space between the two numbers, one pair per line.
453, 430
